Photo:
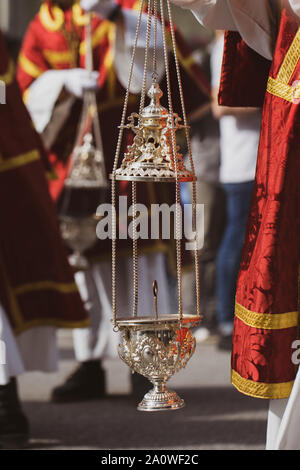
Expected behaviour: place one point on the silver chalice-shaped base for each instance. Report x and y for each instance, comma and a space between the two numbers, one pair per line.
157, 348
79, 233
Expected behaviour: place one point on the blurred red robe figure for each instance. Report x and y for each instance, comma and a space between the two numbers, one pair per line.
37, 288
55, 41
267, 296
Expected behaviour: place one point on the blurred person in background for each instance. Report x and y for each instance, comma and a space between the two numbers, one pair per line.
51, 75
261, 66
37, 289
239, 139
205, 144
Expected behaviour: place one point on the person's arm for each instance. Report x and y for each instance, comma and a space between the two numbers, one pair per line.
255, 20
220, 111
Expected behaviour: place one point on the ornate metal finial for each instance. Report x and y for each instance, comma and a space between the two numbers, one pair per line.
151, 156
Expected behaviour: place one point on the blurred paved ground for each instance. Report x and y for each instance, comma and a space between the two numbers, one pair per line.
216, 416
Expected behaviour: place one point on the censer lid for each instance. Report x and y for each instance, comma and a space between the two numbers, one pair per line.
154, 109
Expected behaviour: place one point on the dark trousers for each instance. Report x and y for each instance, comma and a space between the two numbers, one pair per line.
238, 197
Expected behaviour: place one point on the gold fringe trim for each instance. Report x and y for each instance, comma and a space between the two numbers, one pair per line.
9, 76
266, 321
29, 67
20, 160
259, 389
64, 288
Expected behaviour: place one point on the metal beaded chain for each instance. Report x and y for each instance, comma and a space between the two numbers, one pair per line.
188, 140
174, 148
177, 183
135, 253
113, 182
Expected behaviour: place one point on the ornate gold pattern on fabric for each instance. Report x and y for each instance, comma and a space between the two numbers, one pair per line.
64, 288
19, 160
29, 67
281, 86
260, 389
267, 321
56, 21
9, 76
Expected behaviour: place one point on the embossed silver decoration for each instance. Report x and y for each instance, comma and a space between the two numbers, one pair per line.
85, 176
87, 166
157, 349
155, 346
79, 233
151, 157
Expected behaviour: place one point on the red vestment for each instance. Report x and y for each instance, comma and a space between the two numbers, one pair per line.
267, 296
51, 44
36, 282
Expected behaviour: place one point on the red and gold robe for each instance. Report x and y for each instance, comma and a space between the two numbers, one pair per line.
36, 282
267, 296
56, 40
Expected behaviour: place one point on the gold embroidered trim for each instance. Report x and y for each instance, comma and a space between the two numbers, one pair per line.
56, 22
280, 86
79, 17
29, 67
57, 58
19, 160
20, 324
259, 389
64, 288
100, 32
286, 92
51, 322
9, 76
14, 306
290, 61
267, 321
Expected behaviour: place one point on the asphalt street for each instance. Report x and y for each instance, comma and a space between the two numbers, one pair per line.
216, 416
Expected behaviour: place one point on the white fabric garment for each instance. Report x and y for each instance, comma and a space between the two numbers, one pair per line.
275, 414
239, 134
44, 92
253, 19
33, 350
283, 431
123, 52
103, 8
99, 341
295, 6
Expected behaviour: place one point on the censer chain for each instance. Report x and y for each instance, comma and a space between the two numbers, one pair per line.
116, 160
188, 140
174, 149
